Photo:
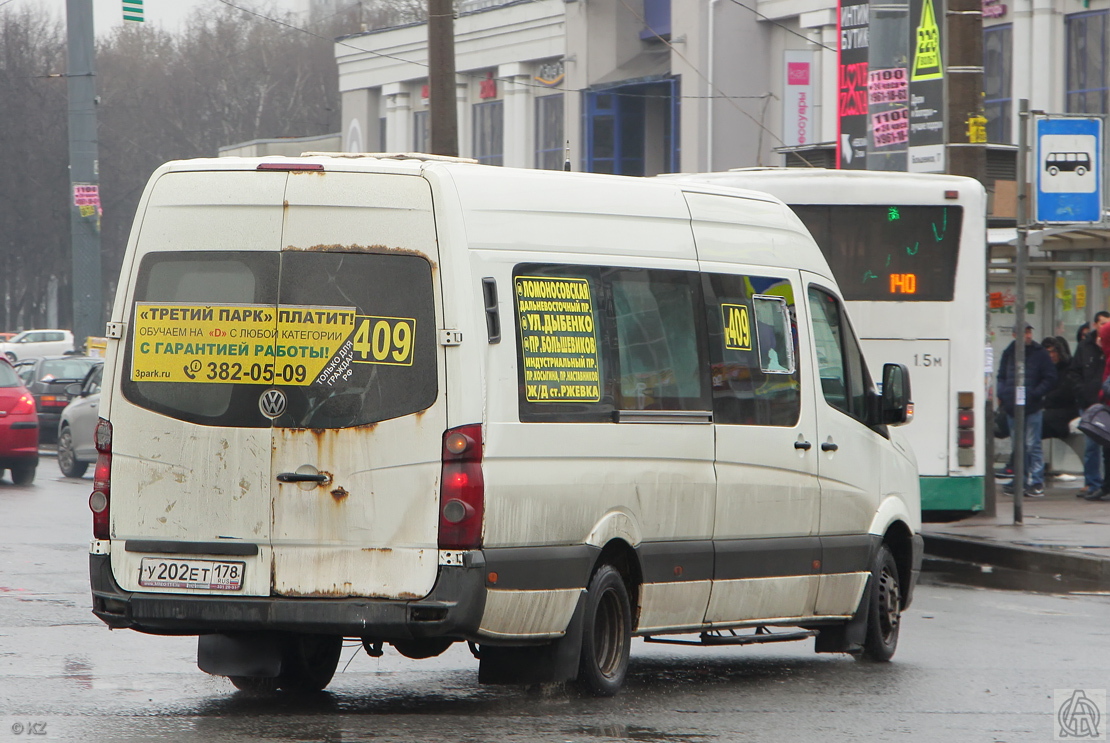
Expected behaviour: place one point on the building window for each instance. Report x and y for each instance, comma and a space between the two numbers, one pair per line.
488, 132
549, 132
998, 66
421, 132
1087, 79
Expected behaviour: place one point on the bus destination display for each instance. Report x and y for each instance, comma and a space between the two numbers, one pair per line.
892, 253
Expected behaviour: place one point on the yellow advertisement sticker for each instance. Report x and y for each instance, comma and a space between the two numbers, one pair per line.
558, 339
249, 344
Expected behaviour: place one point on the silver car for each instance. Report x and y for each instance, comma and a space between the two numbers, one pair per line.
76, 444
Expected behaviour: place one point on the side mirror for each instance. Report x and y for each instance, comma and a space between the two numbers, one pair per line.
897, 407
75, 389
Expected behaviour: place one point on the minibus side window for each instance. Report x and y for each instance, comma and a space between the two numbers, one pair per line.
844, 378
753, 350
658, 341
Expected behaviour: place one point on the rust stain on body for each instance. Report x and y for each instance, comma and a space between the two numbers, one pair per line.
339, 493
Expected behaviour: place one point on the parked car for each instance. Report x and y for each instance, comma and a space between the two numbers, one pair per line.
47, 379
77, 428
34, 343
19, 434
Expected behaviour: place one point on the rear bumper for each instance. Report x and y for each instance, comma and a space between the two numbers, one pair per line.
453, 609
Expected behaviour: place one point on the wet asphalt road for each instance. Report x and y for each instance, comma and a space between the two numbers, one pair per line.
973, 665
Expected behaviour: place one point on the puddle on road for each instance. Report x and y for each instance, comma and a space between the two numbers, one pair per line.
634, 732
937, 571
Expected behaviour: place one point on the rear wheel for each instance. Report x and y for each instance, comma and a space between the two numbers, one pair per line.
606, 634
308, 662
884, 615
67, 458
23, 474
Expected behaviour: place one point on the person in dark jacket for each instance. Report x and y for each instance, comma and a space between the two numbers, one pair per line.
1060, 407
1086, 381
1103, 493
1040, 378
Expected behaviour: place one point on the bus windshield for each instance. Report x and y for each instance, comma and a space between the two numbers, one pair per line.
888, 252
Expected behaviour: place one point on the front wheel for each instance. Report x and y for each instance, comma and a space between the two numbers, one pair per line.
606, 635
67, 458
23, 474
884, 615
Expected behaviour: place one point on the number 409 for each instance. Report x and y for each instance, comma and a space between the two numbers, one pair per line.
384, 340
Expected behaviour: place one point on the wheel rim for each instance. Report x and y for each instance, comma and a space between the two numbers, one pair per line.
889, 604
65, 453
609, 634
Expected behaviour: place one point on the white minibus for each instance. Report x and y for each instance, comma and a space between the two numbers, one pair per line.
414, 402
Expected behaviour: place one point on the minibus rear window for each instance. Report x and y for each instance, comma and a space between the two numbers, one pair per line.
300, 339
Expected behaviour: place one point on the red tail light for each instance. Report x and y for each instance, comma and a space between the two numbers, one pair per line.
25, 405
53, 401
965, 419
965, 439
101, 498
462, 489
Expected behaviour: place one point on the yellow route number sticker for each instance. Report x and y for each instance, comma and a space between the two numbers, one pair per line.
738, 327
384, 340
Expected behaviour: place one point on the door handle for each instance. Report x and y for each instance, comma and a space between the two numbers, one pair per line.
301, 477
803, 445
829, 446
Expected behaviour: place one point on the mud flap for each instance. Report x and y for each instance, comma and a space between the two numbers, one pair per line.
850, 636
552, 663
256, 654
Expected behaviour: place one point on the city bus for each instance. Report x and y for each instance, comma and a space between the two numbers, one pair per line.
909, 253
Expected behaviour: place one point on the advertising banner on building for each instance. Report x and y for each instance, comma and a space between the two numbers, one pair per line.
798, 124
926, 87
853, 27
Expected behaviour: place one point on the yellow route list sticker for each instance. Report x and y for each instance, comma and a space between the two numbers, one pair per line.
263, 344
558, 339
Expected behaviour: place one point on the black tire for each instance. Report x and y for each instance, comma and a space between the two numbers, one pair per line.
254, 684
24, 474
67, 458
884, 615
308, 662
606, 634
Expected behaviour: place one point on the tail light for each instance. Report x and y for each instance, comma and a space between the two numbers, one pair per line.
25, 405
965, 429
53, 401
462, 489
101, 498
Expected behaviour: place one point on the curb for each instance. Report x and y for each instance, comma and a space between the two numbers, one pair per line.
1094, 571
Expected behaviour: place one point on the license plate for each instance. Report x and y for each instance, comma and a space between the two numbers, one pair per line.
166, 572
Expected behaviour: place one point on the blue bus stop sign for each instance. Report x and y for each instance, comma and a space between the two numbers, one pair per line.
1069, 170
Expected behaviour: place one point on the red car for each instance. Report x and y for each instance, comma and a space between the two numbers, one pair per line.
19, 427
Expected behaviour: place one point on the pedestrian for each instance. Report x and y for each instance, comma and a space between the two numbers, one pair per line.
1060, 406
1083, 332
1086, 372
1103, 494
1040, 378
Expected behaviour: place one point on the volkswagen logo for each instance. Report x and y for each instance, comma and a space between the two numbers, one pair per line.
272, 403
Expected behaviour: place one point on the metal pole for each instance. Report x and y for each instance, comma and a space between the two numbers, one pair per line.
1019, 310
83, 172
442, 104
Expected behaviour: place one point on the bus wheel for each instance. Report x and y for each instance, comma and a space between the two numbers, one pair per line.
1080, 170
606, 634
308, 662
255, 684
1053, 170
884, 616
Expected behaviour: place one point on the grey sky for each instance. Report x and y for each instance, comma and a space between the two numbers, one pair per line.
167, 13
